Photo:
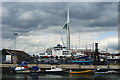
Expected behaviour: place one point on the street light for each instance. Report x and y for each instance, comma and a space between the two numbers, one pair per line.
14, 58
15, 34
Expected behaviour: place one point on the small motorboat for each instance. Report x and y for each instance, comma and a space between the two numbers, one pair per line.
80, 72
101, 71
55, 70
22, 69
35, 69
116, 72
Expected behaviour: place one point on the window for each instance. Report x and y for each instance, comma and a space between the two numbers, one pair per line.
53, 68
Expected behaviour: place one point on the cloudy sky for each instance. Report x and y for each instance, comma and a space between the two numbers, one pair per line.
40, 23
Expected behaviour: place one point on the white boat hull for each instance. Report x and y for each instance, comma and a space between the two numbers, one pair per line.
23, 72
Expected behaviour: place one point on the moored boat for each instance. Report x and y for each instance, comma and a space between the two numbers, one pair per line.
22, 69
35, 69
101, 71
80, 72
54, 70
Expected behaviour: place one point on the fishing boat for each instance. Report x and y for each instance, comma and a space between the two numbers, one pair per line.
80, 72
55, 70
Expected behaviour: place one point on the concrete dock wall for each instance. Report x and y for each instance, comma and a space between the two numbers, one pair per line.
68, 66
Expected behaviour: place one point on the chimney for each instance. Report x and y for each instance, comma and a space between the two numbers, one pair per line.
96, 47
96, 54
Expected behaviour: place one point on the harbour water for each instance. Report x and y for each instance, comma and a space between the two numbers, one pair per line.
35, 76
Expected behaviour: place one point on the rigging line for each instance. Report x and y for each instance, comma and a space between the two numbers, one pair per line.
62, 39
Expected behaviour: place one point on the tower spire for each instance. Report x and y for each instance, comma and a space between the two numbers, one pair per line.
68, 19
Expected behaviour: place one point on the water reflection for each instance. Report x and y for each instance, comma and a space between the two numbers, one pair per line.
36, 76
81, 75
107, 77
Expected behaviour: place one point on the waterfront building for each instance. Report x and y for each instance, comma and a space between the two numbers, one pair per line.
58, 50
9, 55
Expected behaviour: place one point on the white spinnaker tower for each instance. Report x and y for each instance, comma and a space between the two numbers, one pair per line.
67, 27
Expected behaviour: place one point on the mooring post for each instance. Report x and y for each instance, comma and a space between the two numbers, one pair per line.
79, 66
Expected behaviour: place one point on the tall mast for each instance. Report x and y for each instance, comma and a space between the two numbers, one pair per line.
79, 40
86, 46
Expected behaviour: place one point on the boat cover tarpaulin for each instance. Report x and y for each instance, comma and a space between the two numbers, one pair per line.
35, 68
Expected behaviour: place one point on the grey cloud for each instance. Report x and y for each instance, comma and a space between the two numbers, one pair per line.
38, 17
45, 15
94, 11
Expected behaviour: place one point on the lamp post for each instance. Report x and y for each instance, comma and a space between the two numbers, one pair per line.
14, 57
15, 35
